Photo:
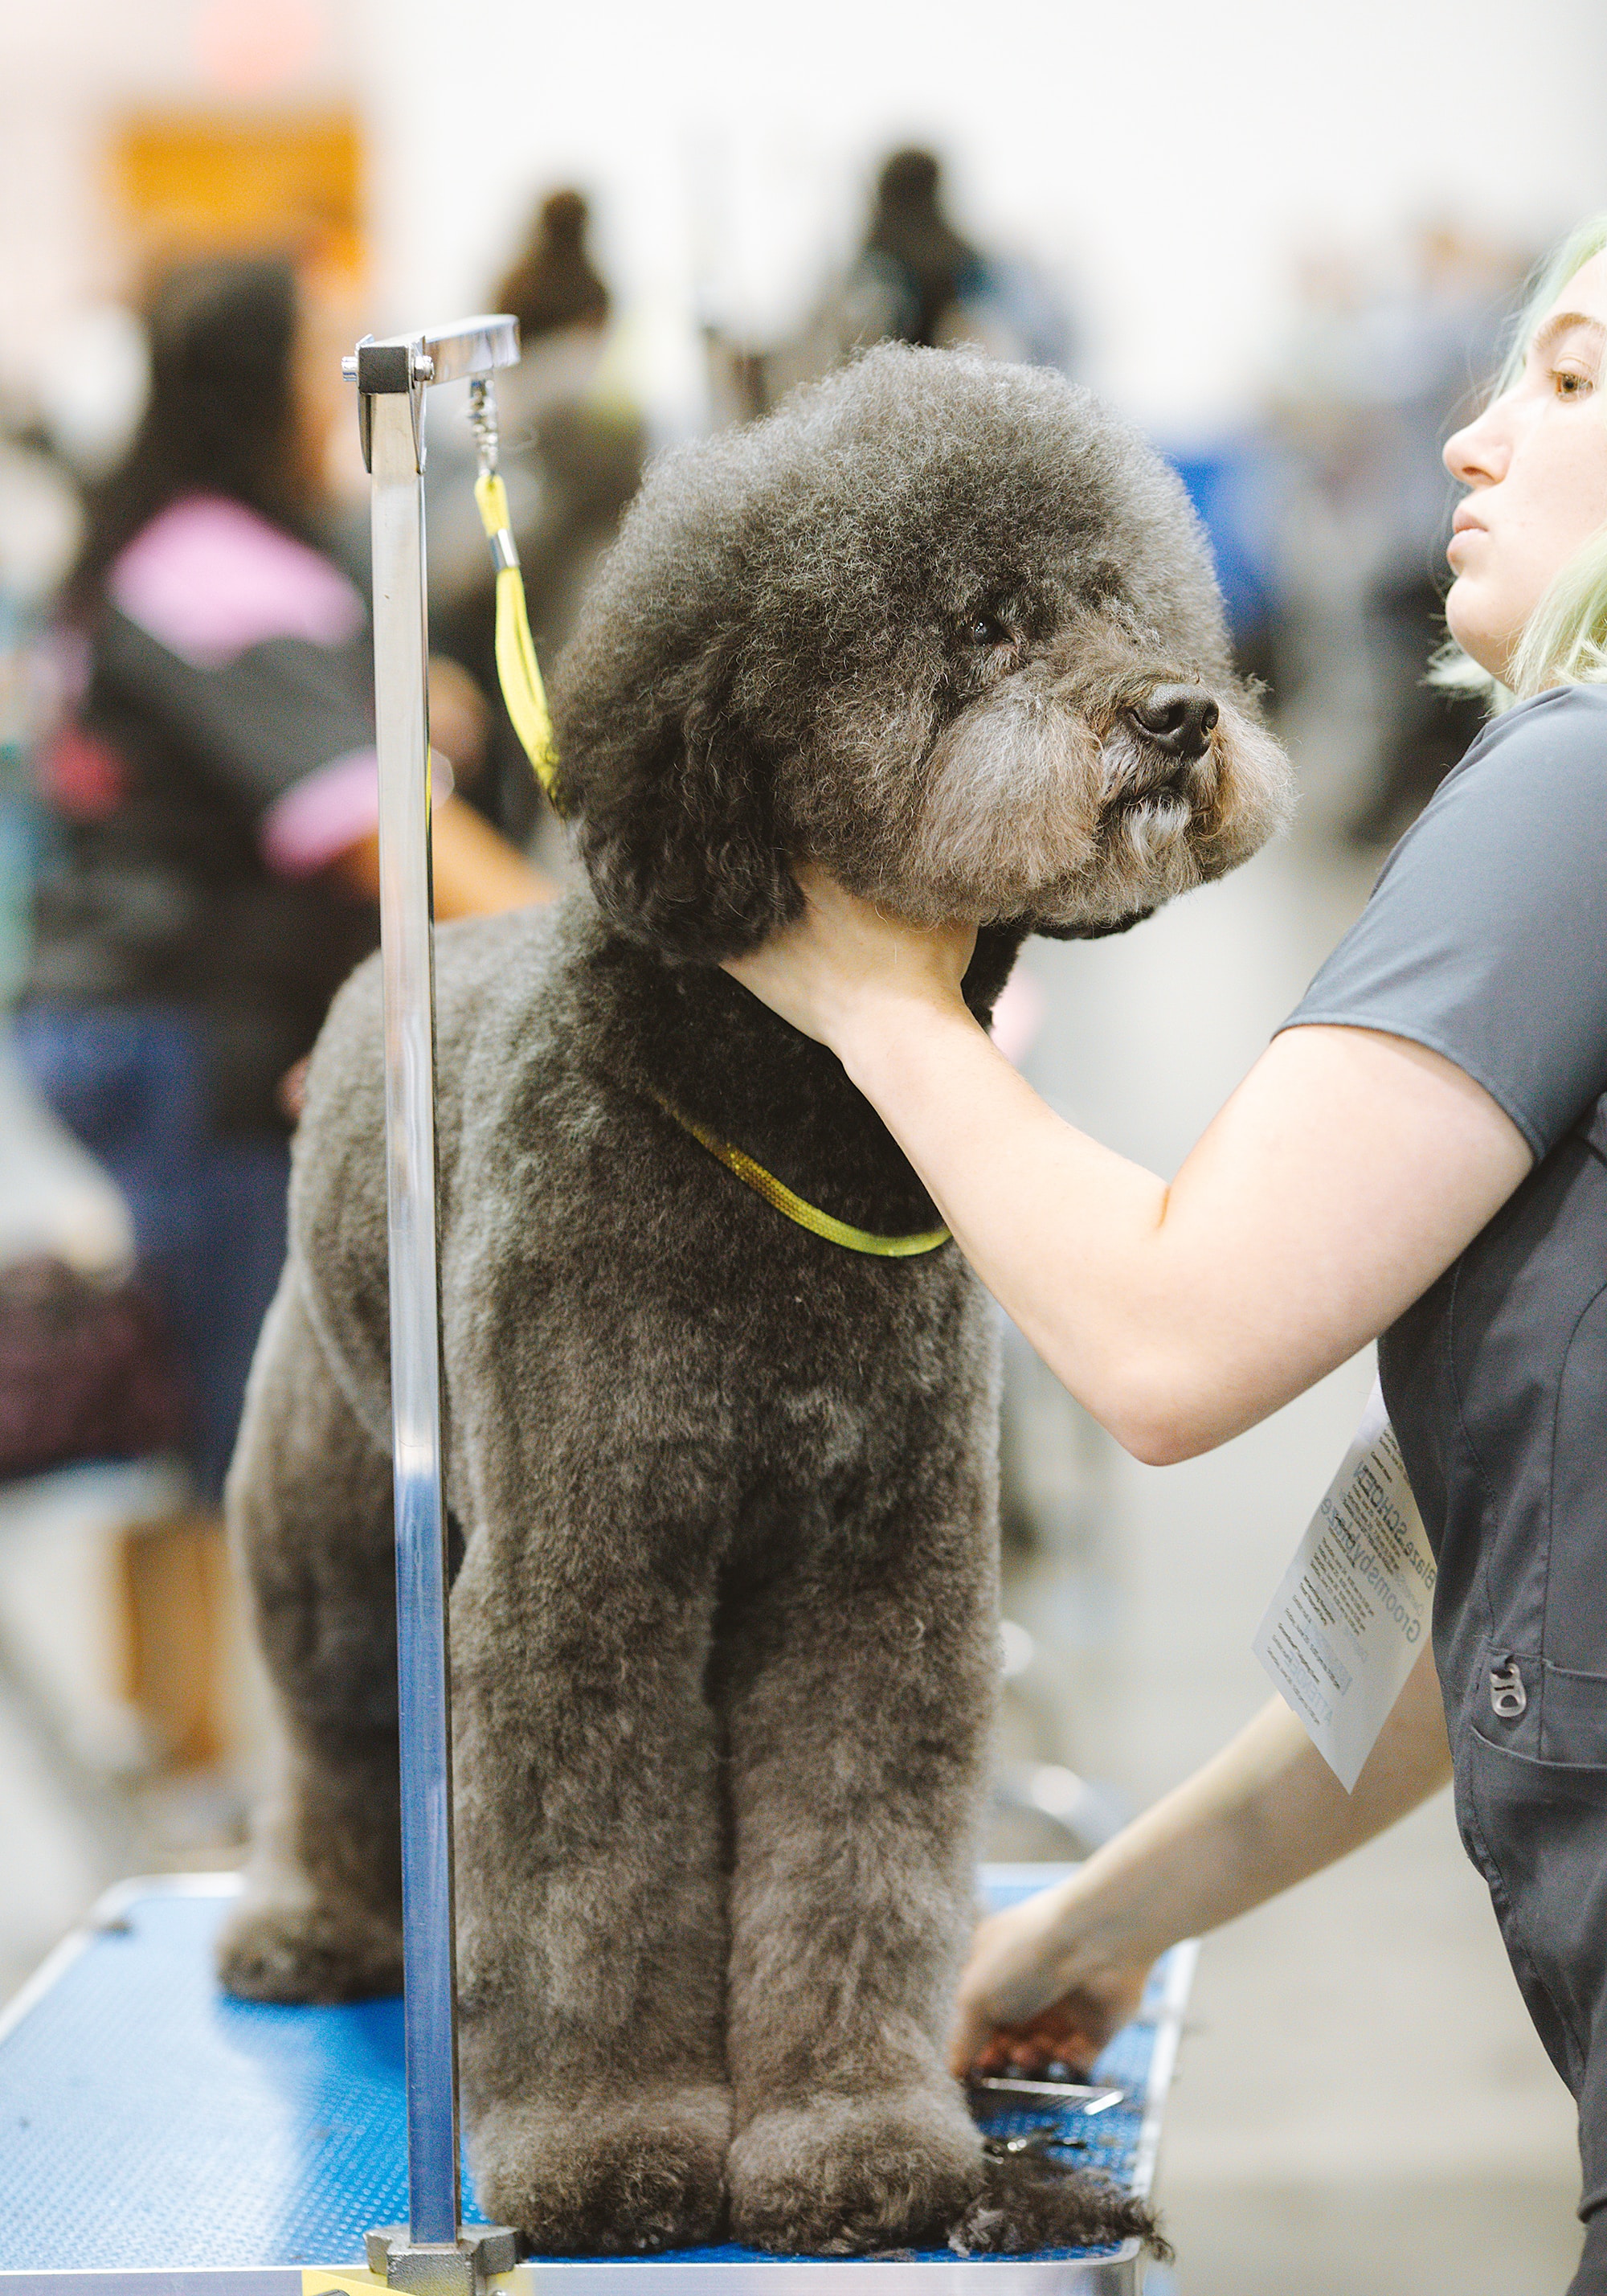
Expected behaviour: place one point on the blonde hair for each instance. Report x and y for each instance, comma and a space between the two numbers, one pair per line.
1564, 641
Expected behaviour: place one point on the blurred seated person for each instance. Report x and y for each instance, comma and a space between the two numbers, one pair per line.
213, 872
573, 453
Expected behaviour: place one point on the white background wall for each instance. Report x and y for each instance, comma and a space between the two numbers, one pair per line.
1169, 158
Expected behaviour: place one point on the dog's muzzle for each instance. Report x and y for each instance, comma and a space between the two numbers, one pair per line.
1177, 720
1144, 768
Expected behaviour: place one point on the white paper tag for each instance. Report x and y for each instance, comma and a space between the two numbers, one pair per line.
1345, 1626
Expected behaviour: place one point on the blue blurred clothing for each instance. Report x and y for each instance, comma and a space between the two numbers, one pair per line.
131, 1081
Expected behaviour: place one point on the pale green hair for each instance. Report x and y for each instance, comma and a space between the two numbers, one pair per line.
1564, 640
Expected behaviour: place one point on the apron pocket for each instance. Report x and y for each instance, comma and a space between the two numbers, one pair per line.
1543, 1829
1573, 1717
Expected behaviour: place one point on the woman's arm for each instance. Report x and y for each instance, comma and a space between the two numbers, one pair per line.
1068, 1965
1346, 1172
476, 872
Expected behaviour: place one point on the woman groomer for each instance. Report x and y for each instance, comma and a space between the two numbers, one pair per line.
1420, 1157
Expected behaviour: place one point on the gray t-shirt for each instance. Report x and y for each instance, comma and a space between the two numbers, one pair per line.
1486, 935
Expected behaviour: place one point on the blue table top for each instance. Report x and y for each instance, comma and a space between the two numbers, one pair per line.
149, 2121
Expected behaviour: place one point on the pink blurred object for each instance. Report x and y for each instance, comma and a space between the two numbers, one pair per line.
321, 816
1018, 1016
208, 578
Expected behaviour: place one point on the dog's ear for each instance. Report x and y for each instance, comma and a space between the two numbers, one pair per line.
676, 799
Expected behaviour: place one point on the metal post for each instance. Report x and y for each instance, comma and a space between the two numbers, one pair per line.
430, 2254
401, 707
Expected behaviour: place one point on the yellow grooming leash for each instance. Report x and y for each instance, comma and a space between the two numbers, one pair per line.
818, 1223
518, 674
517, 671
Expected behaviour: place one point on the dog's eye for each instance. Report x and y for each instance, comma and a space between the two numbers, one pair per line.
987, 630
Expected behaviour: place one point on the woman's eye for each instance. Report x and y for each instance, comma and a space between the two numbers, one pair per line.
1569, 382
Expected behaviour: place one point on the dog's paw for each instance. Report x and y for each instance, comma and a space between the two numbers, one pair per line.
1025, 2206
839, 2175
308, 1953
644, 2172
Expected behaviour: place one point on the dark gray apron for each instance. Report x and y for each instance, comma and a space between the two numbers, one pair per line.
1496, 1384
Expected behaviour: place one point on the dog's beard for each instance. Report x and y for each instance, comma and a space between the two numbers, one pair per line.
1025, 812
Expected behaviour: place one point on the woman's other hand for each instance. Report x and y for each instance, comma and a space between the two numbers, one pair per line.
844, 965
1067, 1967
1040, 1987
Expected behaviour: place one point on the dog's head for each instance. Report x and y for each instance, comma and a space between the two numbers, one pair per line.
946, 626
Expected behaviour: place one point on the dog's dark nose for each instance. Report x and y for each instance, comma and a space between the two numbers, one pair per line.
1177, 719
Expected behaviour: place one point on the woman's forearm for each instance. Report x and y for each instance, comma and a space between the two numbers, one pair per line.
1347, 1171
1261, 1816
1004, 1171
475, 872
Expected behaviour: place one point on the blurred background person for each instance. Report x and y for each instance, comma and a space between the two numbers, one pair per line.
210, 872
573, 448
914, 278
919, 279
1379, 362
915, 273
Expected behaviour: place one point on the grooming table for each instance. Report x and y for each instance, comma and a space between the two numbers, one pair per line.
159, 2139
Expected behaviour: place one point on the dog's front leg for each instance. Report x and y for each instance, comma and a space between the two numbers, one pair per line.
592, 1938
858, 1695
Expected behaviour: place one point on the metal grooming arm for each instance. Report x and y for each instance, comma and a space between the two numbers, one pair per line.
431, 2253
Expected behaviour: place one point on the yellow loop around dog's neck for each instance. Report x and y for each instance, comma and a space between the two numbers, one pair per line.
517, 671
794, 1208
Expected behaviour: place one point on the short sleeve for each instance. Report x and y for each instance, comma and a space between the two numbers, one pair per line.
1486, 936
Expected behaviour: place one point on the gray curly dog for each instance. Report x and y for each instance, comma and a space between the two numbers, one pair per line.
724, 1629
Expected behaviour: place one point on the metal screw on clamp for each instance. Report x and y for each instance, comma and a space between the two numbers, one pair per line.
427, 2269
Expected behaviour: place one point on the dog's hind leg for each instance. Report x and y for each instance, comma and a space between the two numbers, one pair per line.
859, 1691
309, 1509
591, 1933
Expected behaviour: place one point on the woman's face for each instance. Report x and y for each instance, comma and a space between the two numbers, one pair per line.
1535, 461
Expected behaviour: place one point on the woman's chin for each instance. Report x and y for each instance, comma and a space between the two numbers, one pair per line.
1490, 650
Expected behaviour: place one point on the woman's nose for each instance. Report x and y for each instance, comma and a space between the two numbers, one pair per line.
1478, 453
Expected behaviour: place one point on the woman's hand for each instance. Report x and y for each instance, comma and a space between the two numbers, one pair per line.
1058, 1974
844, 966
1041, 1986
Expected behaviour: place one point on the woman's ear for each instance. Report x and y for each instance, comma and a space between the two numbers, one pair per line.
676, 806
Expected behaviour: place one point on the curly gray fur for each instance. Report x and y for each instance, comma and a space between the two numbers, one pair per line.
724, 1634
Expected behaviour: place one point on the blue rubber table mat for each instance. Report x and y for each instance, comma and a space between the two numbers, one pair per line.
148, 2121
